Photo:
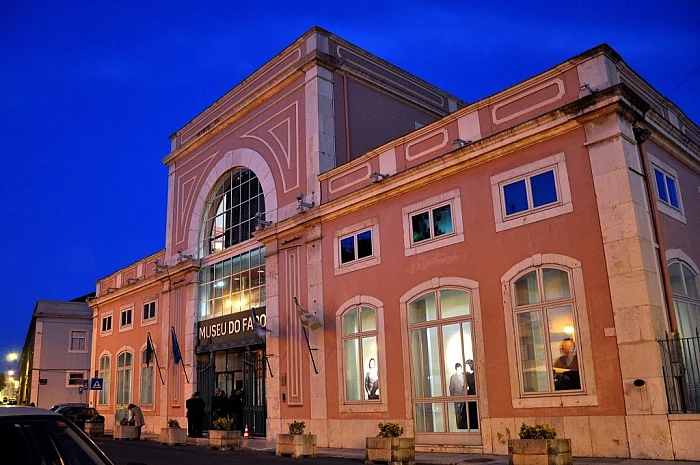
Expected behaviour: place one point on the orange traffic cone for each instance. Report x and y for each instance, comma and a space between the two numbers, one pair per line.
245, 433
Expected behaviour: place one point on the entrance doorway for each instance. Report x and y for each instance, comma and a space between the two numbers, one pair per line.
445, 402
233, 370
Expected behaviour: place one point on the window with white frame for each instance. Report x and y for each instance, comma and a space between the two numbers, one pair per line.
103, 397
357, 246
126, 320
531, 193
78, 341
686, 297
433, 223
147, 386
74, 378
360, 355
668, 192
124, 370
149, 311
106, 327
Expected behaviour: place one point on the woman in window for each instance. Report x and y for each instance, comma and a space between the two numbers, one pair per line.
372, 380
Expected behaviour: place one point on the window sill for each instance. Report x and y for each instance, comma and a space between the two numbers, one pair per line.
557, 401
670, 211
434, 244
534, 217
357, 265
362, 408
126, 328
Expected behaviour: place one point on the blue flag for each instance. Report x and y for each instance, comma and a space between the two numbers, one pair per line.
177, 356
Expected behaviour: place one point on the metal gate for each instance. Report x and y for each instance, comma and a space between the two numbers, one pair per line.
205, 385
255, 408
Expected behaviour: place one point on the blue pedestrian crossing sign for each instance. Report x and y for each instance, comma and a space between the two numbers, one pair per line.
96, 384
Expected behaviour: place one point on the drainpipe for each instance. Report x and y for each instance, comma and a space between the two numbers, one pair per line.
641, 134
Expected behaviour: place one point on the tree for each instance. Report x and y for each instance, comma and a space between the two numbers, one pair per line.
2, 381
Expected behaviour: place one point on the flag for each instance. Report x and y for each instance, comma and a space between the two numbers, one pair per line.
308, 320
149, 349
177, 355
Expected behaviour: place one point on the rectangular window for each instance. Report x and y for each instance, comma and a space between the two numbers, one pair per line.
107, 323
149, 310
432, 223
667, 188
530, 193
126, 317
356, 247
78, 340
75, 379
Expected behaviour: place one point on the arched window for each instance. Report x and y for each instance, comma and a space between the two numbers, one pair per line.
546, 331
146, 391
360, 354
686, 297
103, 398
229, 217
124, 367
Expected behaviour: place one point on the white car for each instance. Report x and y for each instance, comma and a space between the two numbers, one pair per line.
30, 435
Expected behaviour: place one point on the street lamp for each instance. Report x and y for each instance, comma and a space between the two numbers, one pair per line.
10, 373
12, 356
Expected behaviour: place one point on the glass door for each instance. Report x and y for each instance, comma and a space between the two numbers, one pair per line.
442, 368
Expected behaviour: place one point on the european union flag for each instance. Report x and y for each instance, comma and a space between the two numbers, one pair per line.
177, 356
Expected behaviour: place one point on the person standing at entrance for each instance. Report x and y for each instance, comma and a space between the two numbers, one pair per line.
219, 407
136, 416
457, 388
195, 415
236, 406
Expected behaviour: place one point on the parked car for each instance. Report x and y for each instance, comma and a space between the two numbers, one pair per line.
33, 436
80, 414
55, 407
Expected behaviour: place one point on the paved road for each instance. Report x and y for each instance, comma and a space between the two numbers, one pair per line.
154, 453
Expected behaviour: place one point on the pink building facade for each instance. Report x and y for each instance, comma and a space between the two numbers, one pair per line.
347, 244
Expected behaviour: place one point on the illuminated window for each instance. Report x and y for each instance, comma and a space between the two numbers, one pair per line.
360, 355
147, 386
103, 397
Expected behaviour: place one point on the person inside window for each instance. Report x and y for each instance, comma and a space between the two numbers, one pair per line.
458, 388
372, 380
566, 375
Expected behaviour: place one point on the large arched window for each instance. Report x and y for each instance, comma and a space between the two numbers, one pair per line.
146, 391
686, 297
105, 362
546, 331
124, 367
229, 217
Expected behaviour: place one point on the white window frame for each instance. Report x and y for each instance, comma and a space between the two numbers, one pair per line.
587, 396
75, 372
381, 405
104, 393
130, 325
451, 198
131, 375
70, 341
154, 318
152, 369
372, 225
107, 332
557, 163
666, 208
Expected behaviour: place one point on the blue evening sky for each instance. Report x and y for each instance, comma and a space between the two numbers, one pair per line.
90, 92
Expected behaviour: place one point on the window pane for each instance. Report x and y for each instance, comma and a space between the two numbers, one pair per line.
350, 322
672, 192
352, 369
423, 309
563, 348
526, 290
364, 244
442, 220
371, 377
469, 375
676, 278
347, 249
420, 227
430, 418
533, 358
368, 319
425, 353
454, 303
515, 197
556, 284
455, 383
691, 283
661, 185
544, 189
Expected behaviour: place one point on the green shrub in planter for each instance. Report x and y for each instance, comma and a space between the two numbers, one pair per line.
173, 423
222, 424
296, 427
539, 431
389, 430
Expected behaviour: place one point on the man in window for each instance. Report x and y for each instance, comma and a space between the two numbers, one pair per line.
457, 388
566, 367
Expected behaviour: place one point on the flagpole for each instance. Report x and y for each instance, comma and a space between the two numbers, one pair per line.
149, 343
176, 346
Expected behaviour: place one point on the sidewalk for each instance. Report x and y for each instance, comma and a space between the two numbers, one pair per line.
431, 458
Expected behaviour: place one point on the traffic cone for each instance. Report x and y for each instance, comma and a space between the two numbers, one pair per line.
245, 433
